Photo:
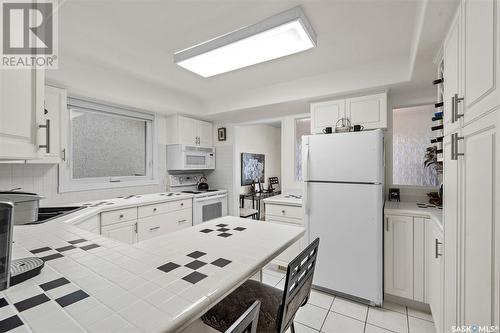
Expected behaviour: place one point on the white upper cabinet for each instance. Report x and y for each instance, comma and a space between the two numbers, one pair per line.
368, 111
326, 114
21, 103
481, 59
189, 131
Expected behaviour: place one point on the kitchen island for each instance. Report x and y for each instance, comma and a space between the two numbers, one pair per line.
92, 283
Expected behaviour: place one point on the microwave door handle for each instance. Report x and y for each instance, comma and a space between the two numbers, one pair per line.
211, 198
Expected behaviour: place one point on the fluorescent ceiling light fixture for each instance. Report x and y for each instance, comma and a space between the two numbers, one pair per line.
280, 35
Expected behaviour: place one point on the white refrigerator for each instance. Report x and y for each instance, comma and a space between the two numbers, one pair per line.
343, 203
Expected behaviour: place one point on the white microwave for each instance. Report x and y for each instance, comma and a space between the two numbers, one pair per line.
183, 157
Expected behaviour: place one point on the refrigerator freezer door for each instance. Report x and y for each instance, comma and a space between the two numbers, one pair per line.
348, 220
345, 157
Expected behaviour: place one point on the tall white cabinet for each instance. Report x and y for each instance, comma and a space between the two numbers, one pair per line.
21, 106
472, 167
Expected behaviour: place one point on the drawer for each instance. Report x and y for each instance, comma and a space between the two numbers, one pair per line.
150, 210
161, 224
119, 215
283, 220
180, 204
284, 211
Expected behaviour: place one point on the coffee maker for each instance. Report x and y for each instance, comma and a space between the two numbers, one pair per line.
13, 271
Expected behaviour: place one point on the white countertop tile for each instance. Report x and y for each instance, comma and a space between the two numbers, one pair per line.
412, 209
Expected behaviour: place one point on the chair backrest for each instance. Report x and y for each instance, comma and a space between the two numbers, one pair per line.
273, 181
6, 216
247, 322
299, 277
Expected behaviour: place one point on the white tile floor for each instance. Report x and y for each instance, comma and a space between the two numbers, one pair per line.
329, 314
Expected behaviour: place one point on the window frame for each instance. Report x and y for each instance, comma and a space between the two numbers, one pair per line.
294, 151
66, 181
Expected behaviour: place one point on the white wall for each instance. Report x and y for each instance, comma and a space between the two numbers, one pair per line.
43, 178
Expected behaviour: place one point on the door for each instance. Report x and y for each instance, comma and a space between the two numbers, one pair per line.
344, 157
452, 72
368, 111
398, 254
205, 134
451, 233
348, 220
436, 281
481, 35
481, 205
326, 114
187, 131
125, 232
20, 101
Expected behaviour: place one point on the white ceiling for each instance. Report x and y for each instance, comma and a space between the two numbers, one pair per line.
122, 51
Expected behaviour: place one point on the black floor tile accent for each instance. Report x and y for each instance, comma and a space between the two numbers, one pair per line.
196, 254
76, 241
225, 234
221, 225
239, 229
54, 284
206, 231
65, 248
10, 323
195, 264
31, 302
52, 257
41, 249
168, 267
72, 298
3, 302
223, 229
221, 262
89, 247
194, 277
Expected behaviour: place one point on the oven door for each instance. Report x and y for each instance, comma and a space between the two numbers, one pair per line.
209, 208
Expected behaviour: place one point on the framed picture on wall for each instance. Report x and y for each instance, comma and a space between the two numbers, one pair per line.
221, 134
252, 168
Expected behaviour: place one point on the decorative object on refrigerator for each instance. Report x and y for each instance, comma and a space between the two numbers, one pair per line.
343, 125
358, 128
328, 130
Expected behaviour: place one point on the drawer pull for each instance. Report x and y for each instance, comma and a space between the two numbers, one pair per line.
154, 228
436, 249
182, 204
182, 221
155, 209
283, 211
121, 216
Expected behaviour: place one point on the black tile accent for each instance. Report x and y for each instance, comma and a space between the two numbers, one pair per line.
221, 225
196, 254
194, 277
54, 284
223, 229
52, 257
10, 323
31, 302
206, 231
221, 262
76, 241
168, 267
225, 234
89, 247
3, 302
41, 249
195, 264
72, 298
65, 248
239, 229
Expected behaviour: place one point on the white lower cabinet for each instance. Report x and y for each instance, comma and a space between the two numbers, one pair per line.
435, 288
289, 215
161, 224
125, 232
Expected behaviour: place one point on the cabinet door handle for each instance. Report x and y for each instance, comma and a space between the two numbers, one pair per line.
47, 136
182, 221
136, 226
283, 212
121, 216
387, 224
454, 146
453, 116
456, 101
436, 248
154, 228
155, 209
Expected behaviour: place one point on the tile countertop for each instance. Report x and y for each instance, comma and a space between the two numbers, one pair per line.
412, 209
285, 199
94, 284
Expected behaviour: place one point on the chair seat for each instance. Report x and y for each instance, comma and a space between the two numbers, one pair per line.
247, 212
227, 311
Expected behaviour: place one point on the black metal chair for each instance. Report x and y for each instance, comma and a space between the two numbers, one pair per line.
278, 308
248, 321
